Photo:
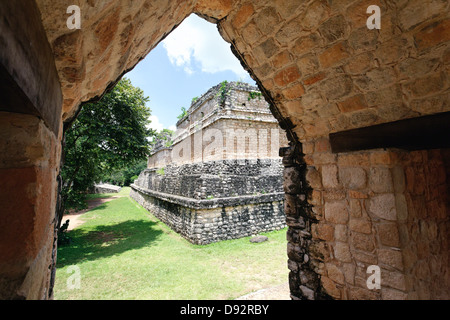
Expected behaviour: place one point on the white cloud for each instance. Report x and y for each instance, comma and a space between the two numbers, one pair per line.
155, 124
198, 41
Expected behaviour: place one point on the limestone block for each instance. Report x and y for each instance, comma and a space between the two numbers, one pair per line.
355, 208
432, 35
341, 232
316, 13
353, 103
360, 63
267, 19
258, 239
391, 257
393, 279
361, 241
330, 287
308, 64
383, 206
242, 16
342, 252
307, 292
334, 55
313, 177
413, 13
392, 294
287, 76
361, 226
292, 182
348, 269
334, 273
336, 212
380, 180
354, 178
337, 87
323, 231
330, 176
335, 28
388, 234
293, 92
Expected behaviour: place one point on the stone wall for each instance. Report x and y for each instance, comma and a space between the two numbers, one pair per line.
218, 179
423, 232
224, 123
222, 178
387, 208
106, 188
160, 158
206, 221
215, 200
27, 224
321, 69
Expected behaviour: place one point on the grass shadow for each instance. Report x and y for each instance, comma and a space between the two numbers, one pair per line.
106, 240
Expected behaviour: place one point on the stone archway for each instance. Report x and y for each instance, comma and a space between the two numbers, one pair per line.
350, 205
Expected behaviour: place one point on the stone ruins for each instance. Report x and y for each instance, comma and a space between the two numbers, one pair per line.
222, 177
366, 111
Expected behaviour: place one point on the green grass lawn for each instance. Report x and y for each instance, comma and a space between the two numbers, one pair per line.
123, 252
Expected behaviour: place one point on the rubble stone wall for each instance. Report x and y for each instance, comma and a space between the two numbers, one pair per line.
226, 178
215, 200
205, 221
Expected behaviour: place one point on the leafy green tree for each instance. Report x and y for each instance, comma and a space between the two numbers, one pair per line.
126, 175
106, 136
163, 138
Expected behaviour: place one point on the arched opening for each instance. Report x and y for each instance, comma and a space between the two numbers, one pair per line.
322, 70
209, 194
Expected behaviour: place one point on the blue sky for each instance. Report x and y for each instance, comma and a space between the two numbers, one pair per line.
192, 59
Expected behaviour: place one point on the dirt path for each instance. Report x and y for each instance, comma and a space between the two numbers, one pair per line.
75, 216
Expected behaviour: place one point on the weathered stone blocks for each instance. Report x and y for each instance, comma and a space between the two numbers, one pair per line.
27, 224
369, 223
206, 221
217, 200
317, 36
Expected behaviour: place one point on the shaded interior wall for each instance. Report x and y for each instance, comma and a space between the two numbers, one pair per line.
424, 232
28, 170
387, 208
30, 126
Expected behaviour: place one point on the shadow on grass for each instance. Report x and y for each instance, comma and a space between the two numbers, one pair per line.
106, 241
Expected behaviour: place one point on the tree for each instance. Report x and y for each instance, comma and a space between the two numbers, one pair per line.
107, 135
126, 175
162, 139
